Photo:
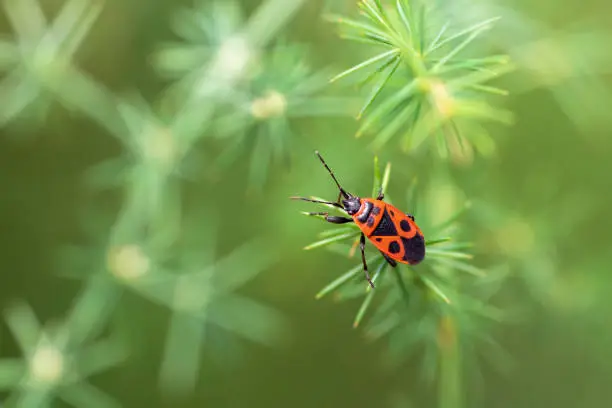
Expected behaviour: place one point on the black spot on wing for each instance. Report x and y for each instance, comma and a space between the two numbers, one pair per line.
394, 247
414, 249
405, 226
385, 227
376, 210
378, 239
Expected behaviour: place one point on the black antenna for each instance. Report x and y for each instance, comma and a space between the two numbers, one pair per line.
331, 173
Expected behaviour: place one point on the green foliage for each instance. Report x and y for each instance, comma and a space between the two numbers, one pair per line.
56, 362
177, 254
260, 87
38, 62
183, 274
258, 117
142, 250
432, 306
568, 61
421, 86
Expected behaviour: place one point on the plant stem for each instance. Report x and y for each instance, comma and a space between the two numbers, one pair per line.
449, 386
402, 286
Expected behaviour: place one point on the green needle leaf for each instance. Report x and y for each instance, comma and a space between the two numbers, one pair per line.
437, 241
368, 299
378, 71
331, 240
241, 266
488, 89
370, 40
480, 75
402, 285
338, 231
248, 319
27, 19
179, 368
343, 279
383, 326
366, 29
23, 324
454, 217
419, 111
394, 125
377, 178
483, 111
492, 65
386, 177
366, 63
388, 106
458, 48
434, 43
73, 23
11, 372
260, 160
461, 266
101, 356
86, 395
403, 10
377, 89
423, 129
476, 28
421, 25
9, 54
374, 12
436, 289
442, 252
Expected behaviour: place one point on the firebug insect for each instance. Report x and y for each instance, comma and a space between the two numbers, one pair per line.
393, 232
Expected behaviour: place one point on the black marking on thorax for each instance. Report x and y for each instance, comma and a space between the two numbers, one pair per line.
366, 212
385, 227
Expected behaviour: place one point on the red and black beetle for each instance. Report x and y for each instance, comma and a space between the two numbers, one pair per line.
393, 232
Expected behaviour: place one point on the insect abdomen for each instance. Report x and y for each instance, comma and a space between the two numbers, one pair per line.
397, 235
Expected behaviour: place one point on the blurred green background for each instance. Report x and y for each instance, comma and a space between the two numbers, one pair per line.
93, 182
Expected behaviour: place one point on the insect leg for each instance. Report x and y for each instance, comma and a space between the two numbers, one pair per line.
410, 216
391, 261
332, 218
365, 265
317, 201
